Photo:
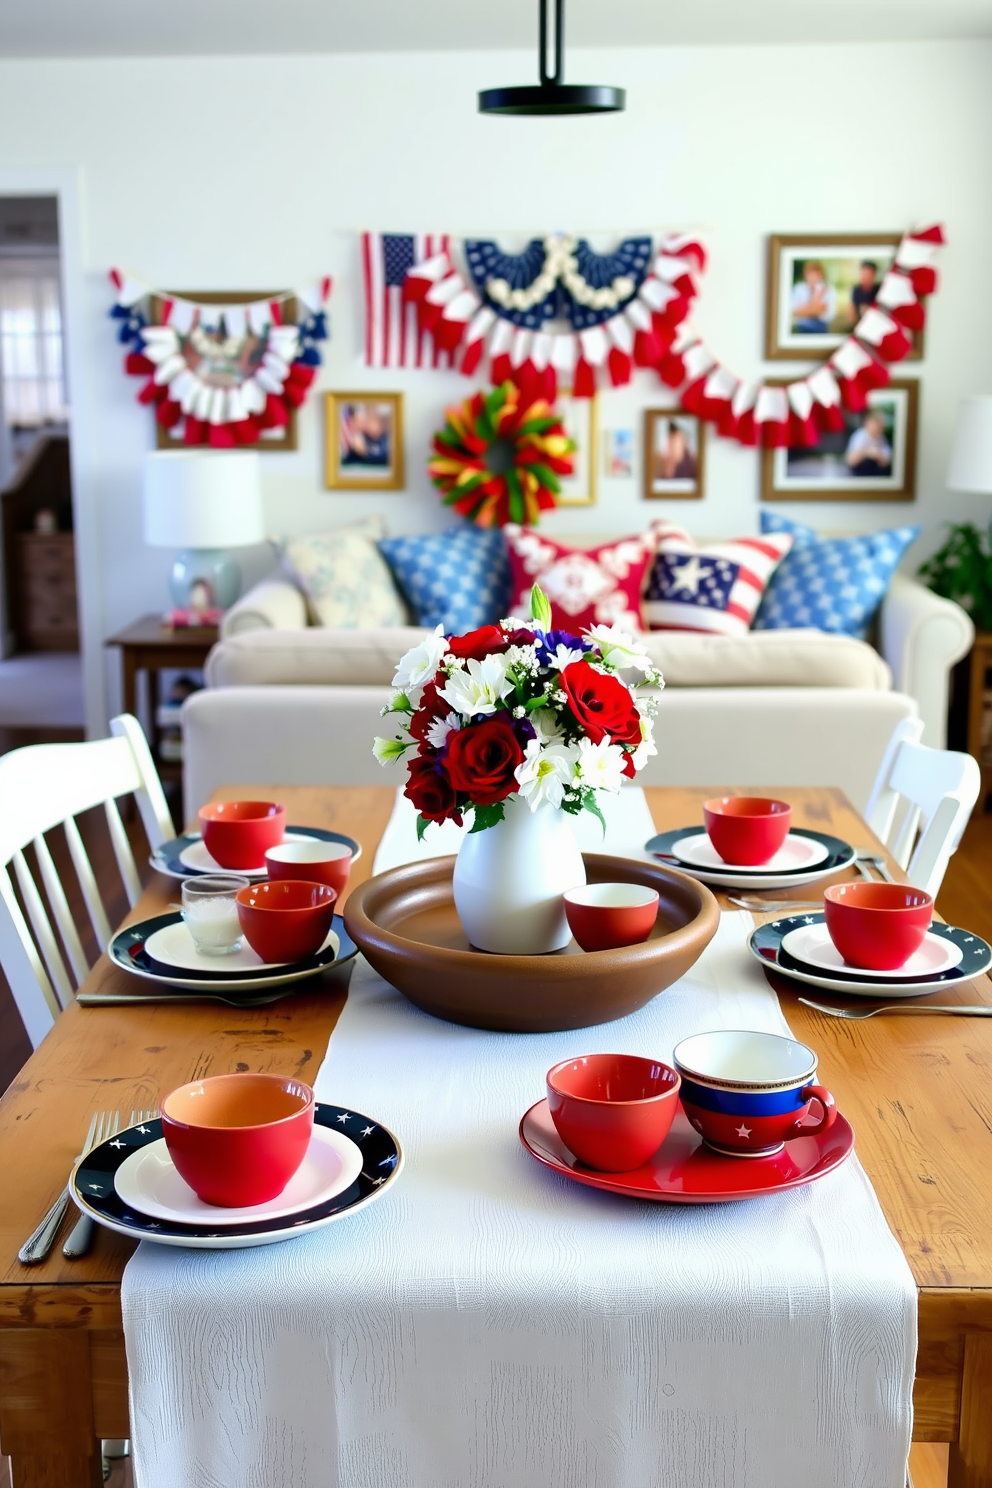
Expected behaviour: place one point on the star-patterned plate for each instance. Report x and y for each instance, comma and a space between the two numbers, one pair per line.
92, 1186
128, 951
149, 1182
765, 944
839, 855
812, 947
685, 1171
186, 856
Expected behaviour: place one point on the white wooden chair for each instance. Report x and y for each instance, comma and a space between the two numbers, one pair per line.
921, 802
42, 787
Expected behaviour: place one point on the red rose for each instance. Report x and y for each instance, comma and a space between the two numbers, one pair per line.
430, 791
431, 709
482, 758
478, 644
601, 705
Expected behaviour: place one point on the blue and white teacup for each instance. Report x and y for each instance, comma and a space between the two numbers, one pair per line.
748, 1093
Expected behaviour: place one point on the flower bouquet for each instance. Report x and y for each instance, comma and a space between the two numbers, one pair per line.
517, 726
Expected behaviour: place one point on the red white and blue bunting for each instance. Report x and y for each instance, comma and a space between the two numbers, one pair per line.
558, 313
231, 371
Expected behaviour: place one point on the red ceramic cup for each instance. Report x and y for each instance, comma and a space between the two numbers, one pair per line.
603, 916
317, 862
285, 920
612, 1110
877, 926
238, 1139
238, 834
747, 830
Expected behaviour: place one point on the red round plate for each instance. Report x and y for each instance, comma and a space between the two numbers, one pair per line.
684, 1171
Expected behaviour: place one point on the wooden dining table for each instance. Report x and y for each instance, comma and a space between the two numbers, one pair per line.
917, 1090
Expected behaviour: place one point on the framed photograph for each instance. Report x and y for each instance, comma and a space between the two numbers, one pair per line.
872, 459
580, 417
673, 454
618, 453
364, 441
222, 364
818, 288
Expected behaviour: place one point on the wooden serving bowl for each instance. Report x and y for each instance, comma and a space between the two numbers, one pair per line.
405, 923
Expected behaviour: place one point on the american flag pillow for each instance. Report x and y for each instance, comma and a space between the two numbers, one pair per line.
713, 587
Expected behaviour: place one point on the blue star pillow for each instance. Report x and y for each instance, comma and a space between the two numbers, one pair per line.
830, 583
459, 578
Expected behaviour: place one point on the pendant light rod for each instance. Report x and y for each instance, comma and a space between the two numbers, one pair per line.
552, 95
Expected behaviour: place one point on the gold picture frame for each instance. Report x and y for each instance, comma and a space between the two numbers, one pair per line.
690, 483
812, 474
363, 441
840, 257
580, 417
274, 441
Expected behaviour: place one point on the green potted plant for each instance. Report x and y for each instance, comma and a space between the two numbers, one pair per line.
962, 570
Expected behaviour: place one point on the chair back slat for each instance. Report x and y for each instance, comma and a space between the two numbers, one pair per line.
155, 816
60, 910
87, 882
123, 853
32, 992
43, 932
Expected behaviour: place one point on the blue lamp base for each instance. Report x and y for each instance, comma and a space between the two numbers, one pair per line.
205, 579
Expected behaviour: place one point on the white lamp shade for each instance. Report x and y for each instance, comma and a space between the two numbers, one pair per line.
971, 452
199, 500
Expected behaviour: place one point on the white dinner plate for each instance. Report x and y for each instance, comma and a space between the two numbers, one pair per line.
127, 951
811, 944
196, 858
796, 855
173, 945
149, 1182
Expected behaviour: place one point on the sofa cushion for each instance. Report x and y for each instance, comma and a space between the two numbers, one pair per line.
459, 578
710, 586
834, 583
586, 586
346, 580
368, 658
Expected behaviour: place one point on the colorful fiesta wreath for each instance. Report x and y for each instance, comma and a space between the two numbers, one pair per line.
499, 457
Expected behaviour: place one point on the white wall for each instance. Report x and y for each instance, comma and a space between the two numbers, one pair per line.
258, 172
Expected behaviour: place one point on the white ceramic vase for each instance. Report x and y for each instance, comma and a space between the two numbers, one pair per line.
509, 880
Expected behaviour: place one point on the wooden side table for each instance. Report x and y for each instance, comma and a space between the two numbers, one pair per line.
149, 646
981, 663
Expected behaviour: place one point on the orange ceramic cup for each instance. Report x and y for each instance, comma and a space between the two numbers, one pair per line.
285, 920
613, 1111
317, 862
238, 834
603, 916
238, 1139
877, 926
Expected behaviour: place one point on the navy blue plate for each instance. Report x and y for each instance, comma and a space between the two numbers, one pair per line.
127, 950
841, 855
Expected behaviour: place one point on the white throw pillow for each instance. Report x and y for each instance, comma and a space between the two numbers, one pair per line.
347, 582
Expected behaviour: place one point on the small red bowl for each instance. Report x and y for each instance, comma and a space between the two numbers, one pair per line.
603, 916
285, 920
877, 926
747, 830
317, 862
238, 1139
238, 834
613, 1110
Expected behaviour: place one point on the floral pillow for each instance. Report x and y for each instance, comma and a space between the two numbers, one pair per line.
347, 583
714, 587
586, 586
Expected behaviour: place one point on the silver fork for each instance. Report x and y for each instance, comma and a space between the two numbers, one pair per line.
38, 1244
774, 906
856, 1015
863, 860
81, 1235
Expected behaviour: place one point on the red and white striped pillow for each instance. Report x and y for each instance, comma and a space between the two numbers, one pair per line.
712, 587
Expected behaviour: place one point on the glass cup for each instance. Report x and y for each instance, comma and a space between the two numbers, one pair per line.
210, 911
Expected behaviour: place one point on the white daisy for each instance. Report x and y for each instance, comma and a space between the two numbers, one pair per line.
545, 772
619, 648
546, 726
441, 728
419, 665
479, 688
601, 765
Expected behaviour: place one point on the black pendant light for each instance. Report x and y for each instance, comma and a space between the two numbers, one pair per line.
553, 96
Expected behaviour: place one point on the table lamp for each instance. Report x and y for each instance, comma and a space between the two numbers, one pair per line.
971, 452
203, 503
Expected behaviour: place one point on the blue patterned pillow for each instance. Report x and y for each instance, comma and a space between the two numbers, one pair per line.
459, 578
831, 583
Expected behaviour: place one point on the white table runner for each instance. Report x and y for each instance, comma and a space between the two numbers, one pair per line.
490, 1325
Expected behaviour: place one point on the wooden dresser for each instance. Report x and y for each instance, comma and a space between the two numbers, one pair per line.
46, 570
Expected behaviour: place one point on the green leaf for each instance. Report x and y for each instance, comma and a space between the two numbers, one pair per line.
962, 570
486, 816
591, 804
517, 509
422, 825
540, 607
